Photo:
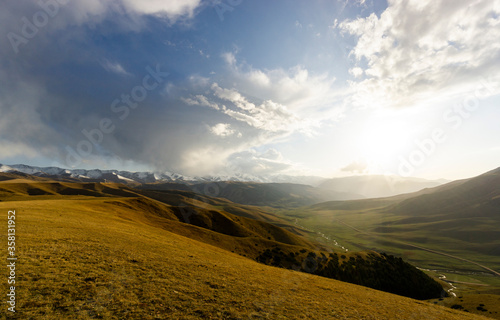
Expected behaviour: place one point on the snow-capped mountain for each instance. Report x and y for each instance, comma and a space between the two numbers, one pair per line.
147, 177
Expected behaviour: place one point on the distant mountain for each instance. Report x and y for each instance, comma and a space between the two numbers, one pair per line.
97, 175
376, 186
274, 191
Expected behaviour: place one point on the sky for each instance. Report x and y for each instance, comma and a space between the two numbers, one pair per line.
221, 87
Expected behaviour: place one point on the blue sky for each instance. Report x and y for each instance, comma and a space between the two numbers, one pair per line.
328, 88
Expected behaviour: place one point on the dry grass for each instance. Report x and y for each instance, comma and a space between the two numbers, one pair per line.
89, 258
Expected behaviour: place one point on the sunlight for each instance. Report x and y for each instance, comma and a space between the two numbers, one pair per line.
381, 140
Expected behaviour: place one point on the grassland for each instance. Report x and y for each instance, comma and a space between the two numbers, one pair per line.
376, 230
104, 257
456, 237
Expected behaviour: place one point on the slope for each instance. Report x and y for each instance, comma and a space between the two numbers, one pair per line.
178, 207
205, 219
20, 188
278, 195
479, 196
446, 227
89, 258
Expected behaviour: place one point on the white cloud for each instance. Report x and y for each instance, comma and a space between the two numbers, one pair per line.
257, 107
272, 154
253, 124
200, 100
356, 167
419, 49
79, 12
268, 116
356, 72
253, 162
114, 67
229, 58
172, 9
233, 96
295, 87
259, 78
222, 130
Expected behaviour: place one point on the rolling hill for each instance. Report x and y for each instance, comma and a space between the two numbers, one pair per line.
452, 231
476, 197
459, 216
272, 241
276, 195
111, 253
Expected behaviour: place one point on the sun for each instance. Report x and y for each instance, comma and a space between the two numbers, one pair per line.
381, 140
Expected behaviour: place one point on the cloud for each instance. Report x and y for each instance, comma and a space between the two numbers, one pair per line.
268, 115
223, 130
200, 100
261, 107
22, 130
114, 67
63, 83
417, 50
11, 150
255, 163
295, 87
244, 123
59, 87
229, 58
233, 96
126, 14
172, 9
356, 72
356, 167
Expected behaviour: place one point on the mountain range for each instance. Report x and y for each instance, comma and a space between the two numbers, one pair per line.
276, 190
149, 177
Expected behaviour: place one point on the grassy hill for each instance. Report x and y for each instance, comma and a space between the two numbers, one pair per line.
452, 230
477, 197
250, 232
278, 195
462, 217
110, 257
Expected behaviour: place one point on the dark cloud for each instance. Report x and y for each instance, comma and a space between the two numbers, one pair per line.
89, 83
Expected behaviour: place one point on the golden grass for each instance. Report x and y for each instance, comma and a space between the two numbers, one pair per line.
94, 259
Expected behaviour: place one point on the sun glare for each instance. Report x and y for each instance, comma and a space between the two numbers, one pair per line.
381, 141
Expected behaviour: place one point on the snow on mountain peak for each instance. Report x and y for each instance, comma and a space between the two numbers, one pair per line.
143, 177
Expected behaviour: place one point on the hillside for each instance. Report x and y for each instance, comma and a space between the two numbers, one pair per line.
461, 215
94, 258
475, 197
250, 231
25, 188
452, 231
276, 195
